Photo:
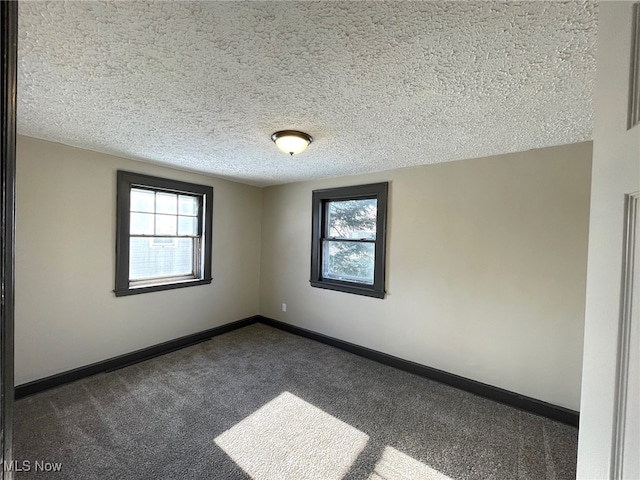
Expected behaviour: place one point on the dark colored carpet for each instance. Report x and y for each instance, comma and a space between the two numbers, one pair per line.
160, 419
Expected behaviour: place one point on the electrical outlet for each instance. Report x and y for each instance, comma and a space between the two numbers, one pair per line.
284, 307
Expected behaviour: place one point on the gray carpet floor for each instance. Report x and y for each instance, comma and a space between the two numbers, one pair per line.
261, 403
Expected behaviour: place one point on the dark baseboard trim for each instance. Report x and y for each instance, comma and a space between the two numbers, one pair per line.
127, 359
516, 400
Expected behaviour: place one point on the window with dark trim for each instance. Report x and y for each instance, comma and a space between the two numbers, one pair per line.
163, 234
348, 237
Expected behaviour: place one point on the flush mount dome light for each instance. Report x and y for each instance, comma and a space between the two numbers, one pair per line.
291, 141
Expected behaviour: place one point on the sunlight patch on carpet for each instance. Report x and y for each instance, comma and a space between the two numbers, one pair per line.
290, 439
395, 465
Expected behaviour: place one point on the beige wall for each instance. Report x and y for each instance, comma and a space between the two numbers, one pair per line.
66, 313
485, 277
486, 268
616, 172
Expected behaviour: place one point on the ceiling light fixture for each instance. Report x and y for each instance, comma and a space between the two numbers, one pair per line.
291, 141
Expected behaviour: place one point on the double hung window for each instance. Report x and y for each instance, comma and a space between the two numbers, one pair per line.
348, 239
163, 234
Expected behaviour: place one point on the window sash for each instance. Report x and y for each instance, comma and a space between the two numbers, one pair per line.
327, 225
197, 216
196, 263
346, 276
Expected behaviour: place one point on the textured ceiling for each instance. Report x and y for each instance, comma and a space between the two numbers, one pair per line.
379, 85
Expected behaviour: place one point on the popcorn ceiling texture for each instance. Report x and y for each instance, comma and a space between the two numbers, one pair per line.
379, 85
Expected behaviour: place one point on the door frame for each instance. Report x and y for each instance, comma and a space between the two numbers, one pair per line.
625, 343
9, 49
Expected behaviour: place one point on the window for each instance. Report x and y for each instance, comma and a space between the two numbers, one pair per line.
163, 238
348, 239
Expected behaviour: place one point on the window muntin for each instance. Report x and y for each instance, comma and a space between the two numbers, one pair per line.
164, 234
348, 239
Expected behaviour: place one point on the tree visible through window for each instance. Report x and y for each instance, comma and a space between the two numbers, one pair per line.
164, 234
348, 239
349, 248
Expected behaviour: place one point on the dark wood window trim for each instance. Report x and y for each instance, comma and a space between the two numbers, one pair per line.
127, 180
320, 198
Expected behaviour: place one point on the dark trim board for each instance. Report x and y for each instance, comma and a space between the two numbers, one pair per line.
8, 108
512, 399
127, 359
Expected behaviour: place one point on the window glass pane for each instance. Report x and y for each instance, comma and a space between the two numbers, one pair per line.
160, 257
166, 225
355, 219
187, 226
187, 205
349, 261
166, 203
141, 224
142, 200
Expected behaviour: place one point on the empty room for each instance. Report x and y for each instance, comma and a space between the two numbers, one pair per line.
320, 240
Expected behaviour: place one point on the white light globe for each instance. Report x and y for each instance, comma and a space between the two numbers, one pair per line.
291, 141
